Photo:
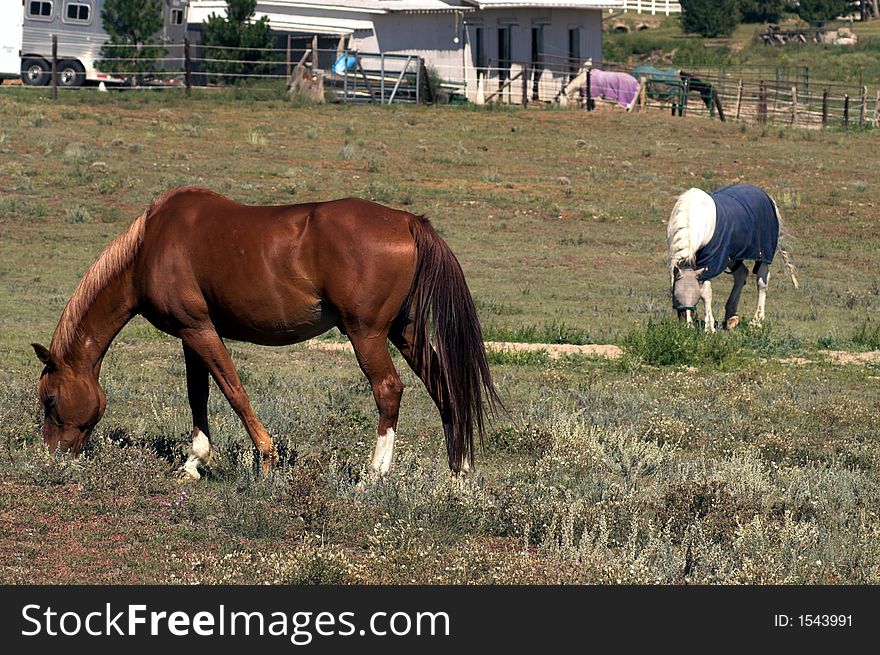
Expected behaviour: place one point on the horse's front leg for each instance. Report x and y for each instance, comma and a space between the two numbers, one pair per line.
762, 277
706, 295
197, 394
740, 275
206, 346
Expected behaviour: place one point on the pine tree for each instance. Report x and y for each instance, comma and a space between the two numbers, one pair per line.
709, 18
134, 45
761, 11
819, 11
235, 34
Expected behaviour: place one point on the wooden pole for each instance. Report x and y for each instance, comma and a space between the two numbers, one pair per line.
187, 66
863, 108
794, 105
54, 67
739, 98
590, 104
289, 66
315, 53
762, 103
525, 85
825, 108
846, 110
643, 92
877, 110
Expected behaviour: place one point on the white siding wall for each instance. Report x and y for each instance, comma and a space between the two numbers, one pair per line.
432, 37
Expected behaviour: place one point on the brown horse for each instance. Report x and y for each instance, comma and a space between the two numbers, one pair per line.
202, 268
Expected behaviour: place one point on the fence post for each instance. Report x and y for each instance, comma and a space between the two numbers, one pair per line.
314, 54
739, 98
846, 110
794, 105
382, 80
54, 67
877, 109
187, 66
525, 85
289, 64
762, 103
590, 104
863, 109
825, 108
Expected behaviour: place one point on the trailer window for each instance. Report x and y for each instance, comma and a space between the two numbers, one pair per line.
78, 12
40, 9
177, 16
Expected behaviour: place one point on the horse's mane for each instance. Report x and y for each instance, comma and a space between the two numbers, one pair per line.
109, 264
688, 226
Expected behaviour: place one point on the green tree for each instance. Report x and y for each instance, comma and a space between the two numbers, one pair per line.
819, 11
134, 45
761, 11
709, 18
235, 34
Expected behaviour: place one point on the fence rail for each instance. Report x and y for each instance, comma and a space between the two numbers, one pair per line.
766, 95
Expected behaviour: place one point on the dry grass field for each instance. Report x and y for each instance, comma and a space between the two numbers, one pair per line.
750, 457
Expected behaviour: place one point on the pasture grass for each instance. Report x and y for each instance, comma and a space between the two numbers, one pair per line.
732, 467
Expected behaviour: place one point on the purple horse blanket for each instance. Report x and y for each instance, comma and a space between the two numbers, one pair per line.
621, 87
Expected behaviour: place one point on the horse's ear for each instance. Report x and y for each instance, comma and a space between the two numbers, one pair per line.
44, 355
699, 272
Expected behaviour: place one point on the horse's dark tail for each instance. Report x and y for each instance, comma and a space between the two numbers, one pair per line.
448, 344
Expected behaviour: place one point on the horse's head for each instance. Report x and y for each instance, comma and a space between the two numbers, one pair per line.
686, 291
73, 403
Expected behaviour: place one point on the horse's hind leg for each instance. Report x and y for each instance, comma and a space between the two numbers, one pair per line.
402, 338
731, 309
206, 344
375, 361
197, 393
762, 277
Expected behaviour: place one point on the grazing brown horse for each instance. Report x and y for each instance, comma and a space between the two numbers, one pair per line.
203, 268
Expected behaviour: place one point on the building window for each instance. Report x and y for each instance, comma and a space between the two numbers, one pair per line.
177, 16
41, 9
78, 12
504, 50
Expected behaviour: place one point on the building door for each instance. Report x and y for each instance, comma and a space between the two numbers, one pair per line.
536, 64
574, 51
504, 50
479, 52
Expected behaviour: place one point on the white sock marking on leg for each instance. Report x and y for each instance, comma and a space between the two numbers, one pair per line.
384, 452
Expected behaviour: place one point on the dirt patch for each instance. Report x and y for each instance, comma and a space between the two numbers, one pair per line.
554, 350
610, 351
836, 357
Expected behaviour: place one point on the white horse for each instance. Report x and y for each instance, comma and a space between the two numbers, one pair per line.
708, 234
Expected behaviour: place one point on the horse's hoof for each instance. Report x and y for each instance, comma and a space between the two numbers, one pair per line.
732, 322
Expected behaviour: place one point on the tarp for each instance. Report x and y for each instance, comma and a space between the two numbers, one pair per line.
746, 227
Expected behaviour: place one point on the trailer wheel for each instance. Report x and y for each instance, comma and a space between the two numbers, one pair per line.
71, 73
35, 71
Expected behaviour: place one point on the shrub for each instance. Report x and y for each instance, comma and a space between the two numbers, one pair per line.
709, 18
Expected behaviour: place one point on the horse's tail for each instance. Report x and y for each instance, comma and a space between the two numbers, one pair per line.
782, 247
448, 343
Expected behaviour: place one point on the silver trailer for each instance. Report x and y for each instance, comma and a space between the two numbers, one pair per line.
80, 32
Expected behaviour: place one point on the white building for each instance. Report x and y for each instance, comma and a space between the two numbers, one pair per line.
462, 39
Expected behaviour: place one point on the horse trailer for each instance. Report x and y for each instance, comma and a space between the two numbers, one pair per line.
80, 31
10, 40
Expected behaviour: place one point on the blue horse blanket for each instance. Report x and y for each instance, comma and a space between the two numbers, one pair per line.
746, 227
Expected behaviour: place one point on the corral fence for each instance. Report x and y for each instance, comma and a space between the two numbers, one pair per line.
336, 73
777, 96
